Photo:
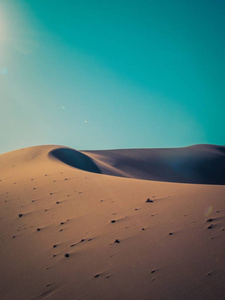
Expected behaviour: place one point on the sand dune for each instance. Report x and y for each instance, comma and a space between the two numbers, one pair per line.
70, 231
203, 164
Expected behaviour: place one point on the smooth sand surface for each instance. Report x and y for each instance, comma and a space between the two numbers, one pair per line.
68, 231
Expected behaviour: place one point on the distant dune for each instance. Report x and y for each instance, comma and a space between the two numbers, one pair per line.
153, 230
195, 164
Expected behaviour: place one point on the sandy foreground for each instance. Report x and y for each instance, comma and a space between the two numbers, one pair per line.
67, 231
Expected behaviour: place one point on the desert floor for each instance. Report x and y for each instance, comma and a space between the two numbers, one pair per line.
66, 233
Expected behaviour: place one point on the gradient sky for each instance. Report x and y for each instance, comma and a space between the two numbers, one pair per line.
112, 74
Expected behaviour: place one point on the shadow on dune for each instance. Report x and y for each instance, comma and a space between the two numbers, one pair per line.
200, 164
75, 159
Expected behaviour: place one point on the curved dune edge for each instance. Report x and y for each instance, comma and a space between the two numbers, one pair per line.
199, 164
79, 160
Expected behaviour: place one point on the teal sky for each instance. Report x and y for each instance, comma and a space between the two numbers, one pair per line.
112, 74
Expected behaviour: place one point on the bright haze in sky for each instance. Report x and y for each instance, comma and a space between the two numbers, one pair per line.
111, 74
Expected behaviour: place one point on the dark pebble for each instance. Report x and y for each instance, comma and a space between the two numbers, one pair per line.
20, 215
113, 221
67, 255
210, 226
38, 229
209, 220
170, 233
117, 241
149, 201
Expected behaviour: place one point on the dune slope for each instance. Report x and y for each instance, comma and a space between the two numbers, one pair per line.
68, 231
195, 164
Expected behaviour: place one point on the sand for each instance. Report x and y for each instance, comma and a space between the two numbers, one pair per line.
71, 230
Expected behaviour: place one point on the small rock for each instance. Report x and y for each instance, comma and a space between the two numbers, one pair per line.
67, 255
54, 246
38, 229
210, 226
20, 215
209, 220
117, 241
143, 228
149, 201
82, 240
113, 221
170, 233
97, 275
